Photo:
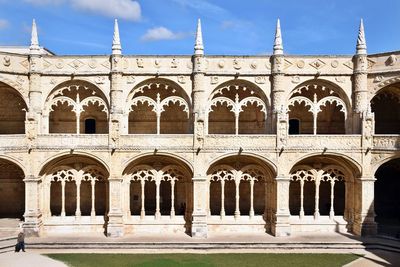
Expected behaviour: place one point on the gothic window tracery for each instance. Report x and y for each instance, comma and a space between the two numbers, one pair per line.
158, 107
320, 109
237, 109
67, 105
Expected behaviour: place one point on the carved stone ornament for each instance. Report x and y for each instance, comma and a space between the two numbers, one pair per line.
100, 80
7, 61
295, 79
349, 64
371, 63
391, 61
214, 79
317, 64
92, 63
340, 79
106, 64
260, 79
174, 63
46, 64
139, 62
181, 79
157, 63
221, 64
378, 79
76, 64
25, 63
268, 65
130, 79
300, 64
20, 79
60, 64
253, 65
335, 64
287, 64
237, 64
53, 81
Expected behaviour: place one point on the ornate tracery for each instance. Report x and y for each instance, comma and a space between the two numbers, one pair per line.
314, 98
249, 173
236, 98
147, 173
158, 96
305, 174
79, 99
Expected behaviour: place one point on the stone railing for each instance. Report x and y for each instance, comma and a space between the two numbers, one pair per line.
13, 141
72, 141
153, 141
321, 142
390, 142
235, 142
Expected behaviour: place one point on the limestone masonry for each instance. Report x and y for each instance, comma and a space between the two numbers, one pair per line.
274, 144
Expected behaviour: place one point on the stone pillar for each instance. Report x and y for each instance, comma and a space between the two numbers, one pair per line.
364, 221
33, 217
33, 115
199, 216
116, 101
278, 89
360, 88
199, 99
115, 227
281, 223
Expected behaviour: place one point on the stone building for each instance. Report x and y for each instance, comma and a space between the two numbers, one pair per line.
199, 144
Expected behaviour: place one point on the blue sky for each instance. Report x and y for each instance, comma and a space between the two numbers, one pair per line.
229, 26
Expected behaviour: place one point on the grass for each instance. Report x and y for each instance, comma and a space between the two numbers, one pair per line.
206, 260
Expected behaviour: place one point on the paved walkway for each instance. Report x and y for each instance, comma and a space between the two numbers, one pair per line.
27, 259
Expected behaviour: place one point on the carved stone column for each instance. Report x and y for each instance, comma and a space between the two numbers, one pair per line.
116, 100
115, 227
360, 88
364, 221
199, 216
278, 89
199, 99
33, 217
33, 116
281, 223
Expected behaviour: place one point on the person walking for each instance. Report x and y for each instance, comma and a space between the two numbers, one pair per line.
20, 242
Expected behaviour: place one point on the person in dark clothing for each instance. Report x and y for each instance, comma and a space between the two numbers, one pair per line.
21, 242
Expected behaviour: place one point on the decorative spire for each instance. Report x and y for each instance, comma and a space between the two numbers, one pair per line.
198, 47
34, 48
116, 43
278, 46
361, 48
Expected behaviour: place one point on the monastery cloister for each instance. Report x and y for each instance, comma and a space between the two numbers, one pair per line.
200, 144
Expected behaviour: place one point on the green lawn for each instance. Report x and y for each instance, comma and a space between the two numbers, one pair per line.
230, 260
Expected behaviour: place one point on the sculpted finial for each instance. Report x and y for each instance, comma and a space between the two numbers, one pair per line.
278, 45
361, 43
34, 48
199, 47
116, 43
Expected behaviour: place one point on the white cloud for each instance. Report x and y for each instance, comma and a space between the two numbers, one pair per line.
124, 9
203, 7
3, 24
44, 2
162, 33
121, 9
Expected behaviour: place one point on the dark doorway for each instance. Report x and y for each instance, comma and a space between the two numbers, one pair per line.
294, 126
387, 202
90, 126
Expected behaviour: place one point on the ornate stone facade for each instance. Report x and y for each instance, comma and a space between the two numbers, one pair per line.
198, 144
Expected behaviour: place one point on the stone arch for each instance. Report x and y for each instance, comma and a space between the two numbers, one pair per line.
160, 106
13, 110
237, 107
157, 187
240, 186
74, 188
385, 104
386, 202
322, 106
18, 88
70, 103
381, 85
12, 188
322, 187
